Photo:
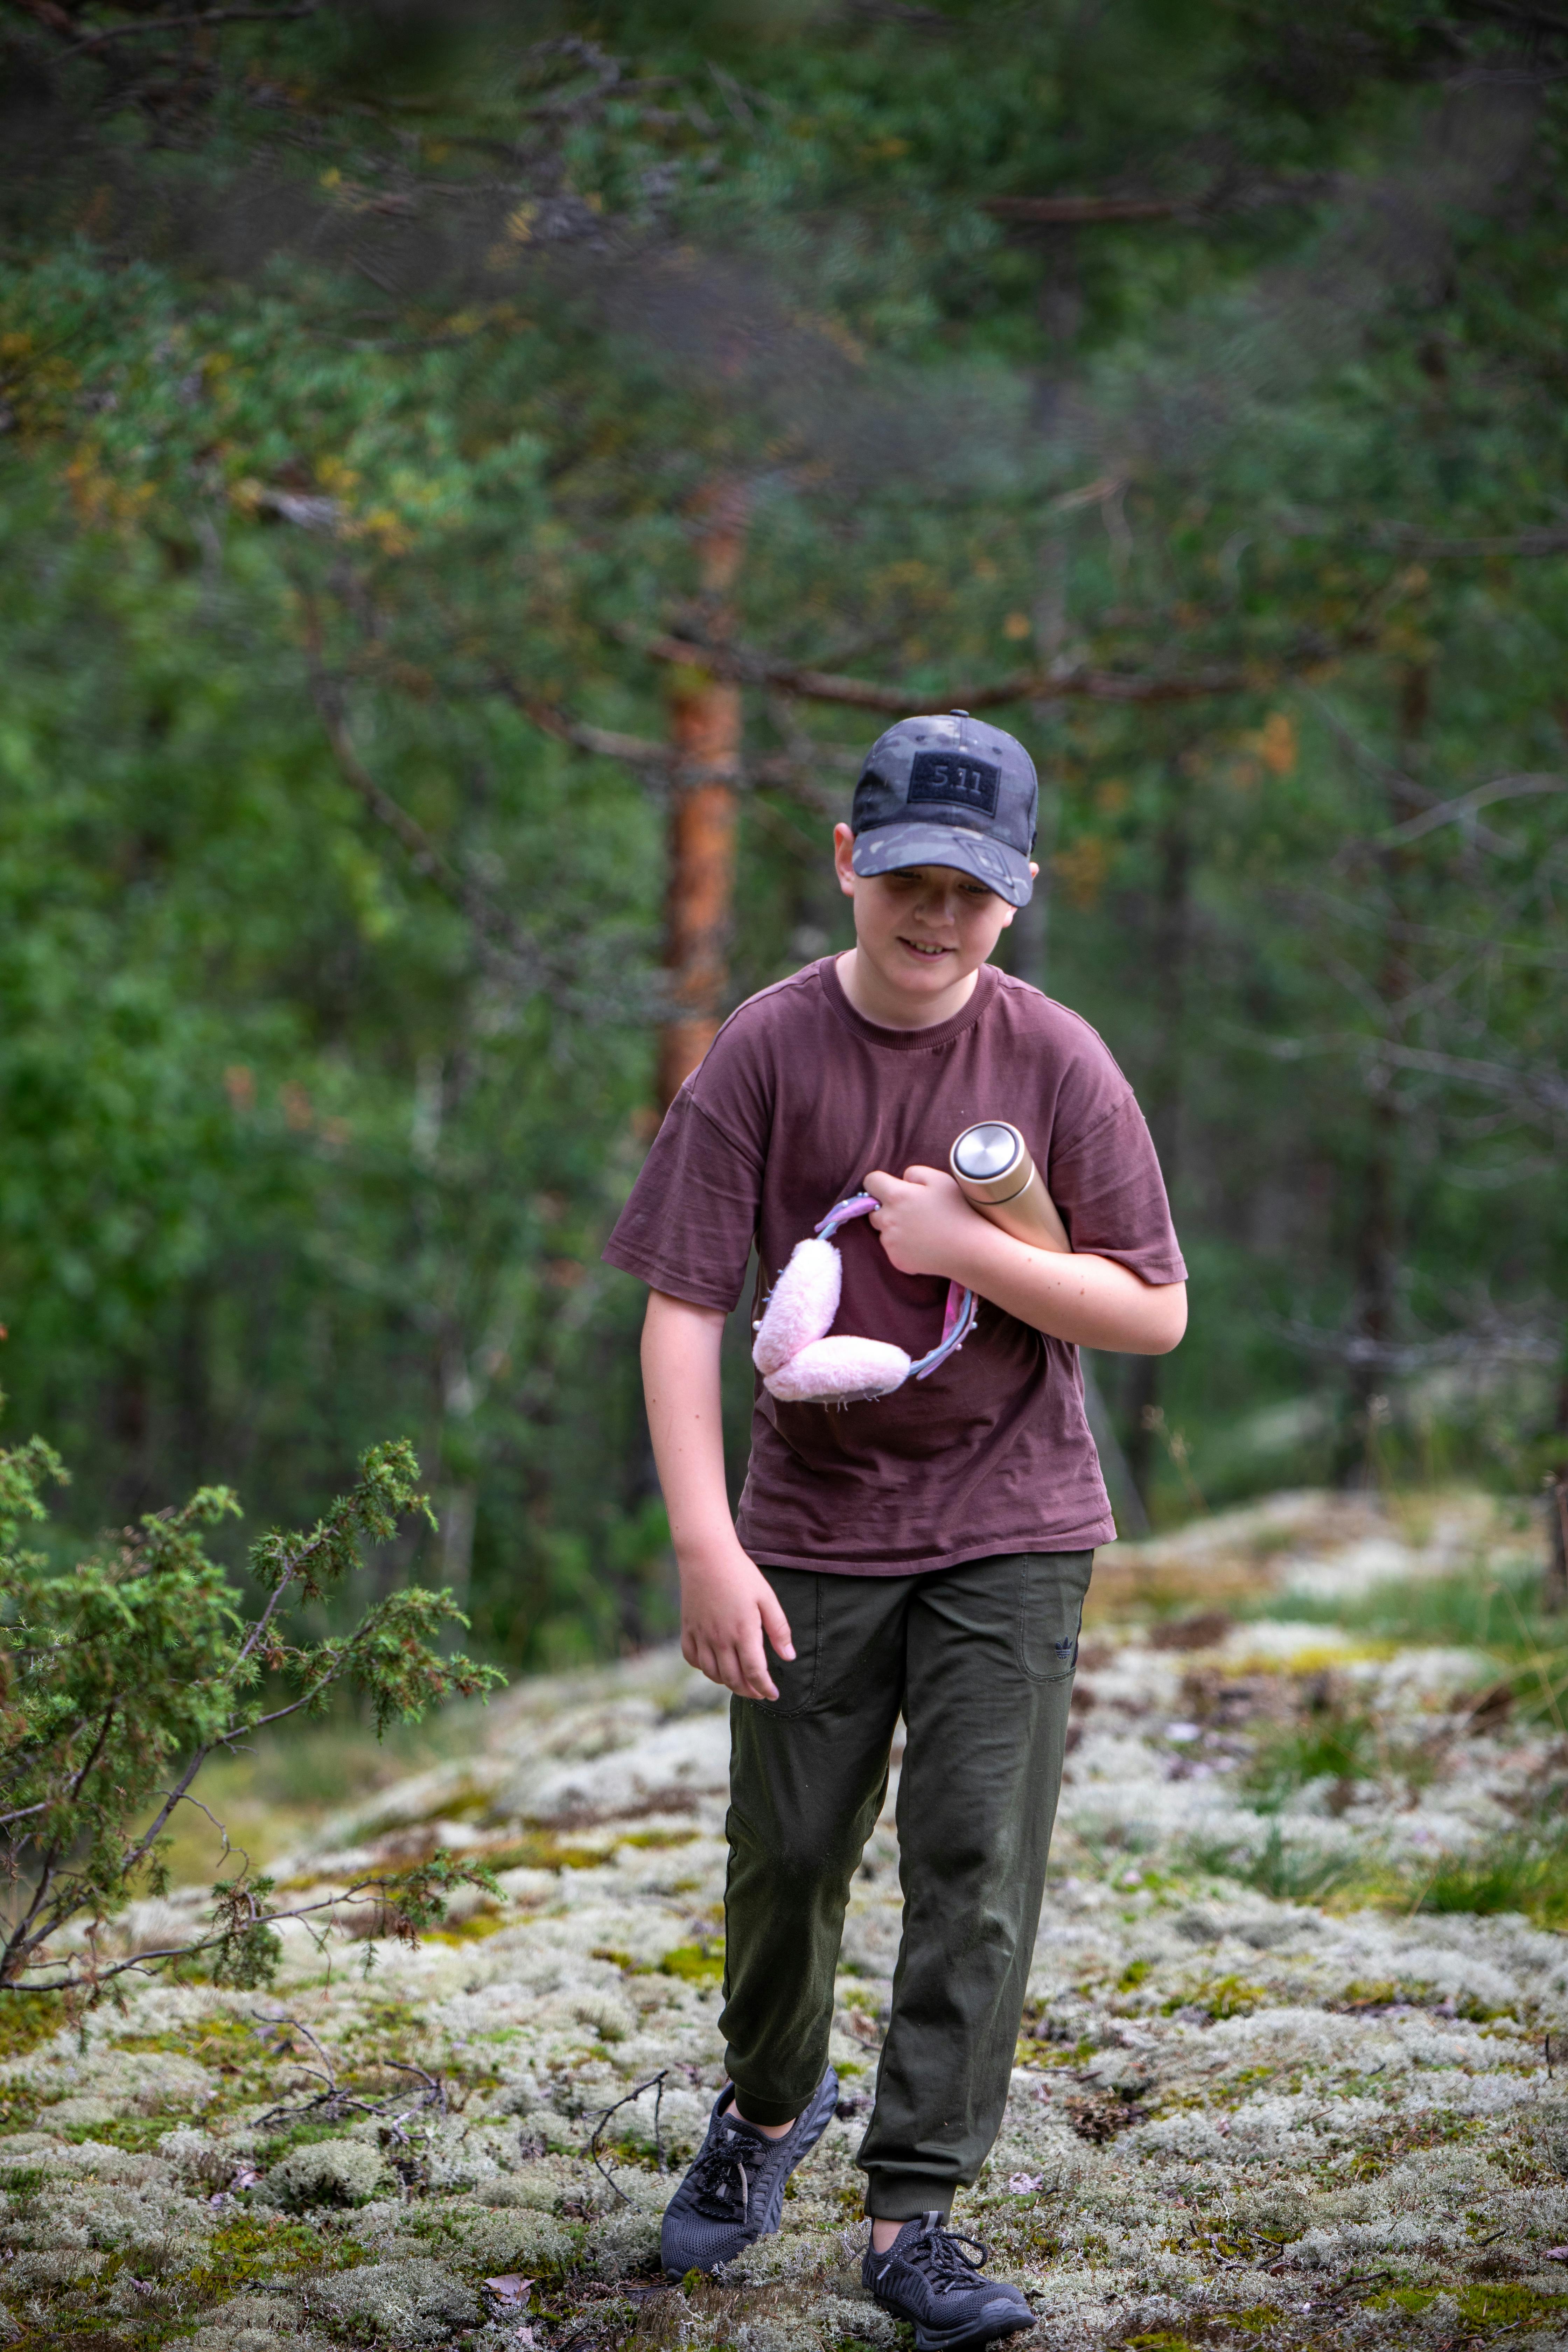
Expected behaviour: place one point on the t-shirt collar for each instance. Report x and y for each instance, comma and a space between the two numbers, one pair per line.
907, 1041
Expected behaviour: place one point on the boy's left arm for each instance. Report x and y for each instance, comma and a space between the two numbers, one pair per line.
928, 1227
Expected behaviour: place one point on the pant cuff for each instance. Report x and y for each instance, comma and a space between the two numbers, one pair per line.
904, 2199
753, 2108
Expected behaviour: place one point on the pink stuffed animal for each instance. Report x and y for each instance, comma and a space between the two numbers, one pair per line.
801, 1365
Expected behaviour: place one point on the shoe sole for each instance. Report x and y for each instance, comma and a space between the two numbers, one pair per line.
970, 2338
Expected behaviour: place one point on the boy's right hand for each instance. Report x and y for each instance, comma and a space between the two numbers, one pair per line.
727, 1605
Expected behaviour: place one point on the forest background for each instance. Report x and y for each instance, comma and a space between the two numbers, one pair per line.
474, 481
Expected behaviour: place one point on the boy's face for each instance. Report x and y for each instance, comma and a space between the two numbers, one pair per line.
924, 928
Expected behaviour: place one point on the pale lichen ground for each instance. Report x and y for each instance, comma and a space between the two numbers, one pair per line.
1234, 2120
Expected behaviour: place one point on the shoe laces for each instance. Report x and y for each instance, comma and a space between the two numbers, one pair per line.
937, 2253
721, 2185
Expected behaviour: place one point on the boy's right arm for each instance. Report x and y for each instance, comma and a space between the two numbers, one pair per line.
726, 1602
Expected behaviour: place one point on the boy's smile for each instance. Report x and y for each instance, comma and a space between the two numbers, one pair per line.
921, 933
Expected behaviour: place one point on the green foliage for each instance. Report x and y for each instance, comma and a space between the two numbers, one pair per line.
1468, 1609
1290, 1870
1526, 1872
1498, 1615
125, 1671
1330, 1744
356, 389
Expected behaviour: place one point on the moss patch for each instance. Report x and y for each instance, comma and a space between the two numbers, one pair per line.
28, 2018
471, 1930
701, 1964
1506, 2304
255, 2246
542, 1850
137, 2134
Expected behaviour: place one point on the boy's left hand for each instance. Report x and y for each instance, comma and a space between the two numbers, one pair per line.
926, 1225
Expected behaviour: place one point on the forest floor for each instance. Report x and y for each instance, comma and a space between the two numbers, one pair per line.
1278, 2086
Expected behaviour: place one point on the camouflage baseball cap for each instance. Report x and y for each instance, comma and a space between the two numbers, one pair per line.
948, 791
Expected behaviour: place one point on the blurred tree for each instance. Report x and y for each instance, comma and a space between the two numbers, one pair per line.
705, 767
387, 393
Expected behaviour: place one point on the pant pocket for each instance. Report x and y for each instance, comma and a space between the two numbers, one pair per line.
1051, 1588
798, 1592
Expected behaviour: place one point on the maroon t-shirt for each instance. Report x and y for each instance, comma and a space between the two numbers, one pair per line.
796, 1098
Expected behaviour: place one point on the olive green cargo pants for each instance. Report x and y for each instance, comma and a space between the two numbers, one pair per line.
979, 1661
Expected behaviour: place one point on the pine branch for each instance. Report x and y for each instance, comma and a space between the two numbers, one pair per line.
498, 933
197, 19
1546, 540
412, 1889
789, 771
1456, 812
1229, 195
751, 668
49, 14
634, 751
1077, 212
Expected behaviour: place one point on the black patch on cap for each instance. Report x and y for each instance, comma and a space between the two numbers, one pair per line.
956, 777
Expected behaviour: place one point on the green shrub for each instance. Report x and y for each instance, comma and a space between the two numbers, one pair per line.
1498, 1615
1328, 1744
1527, 1873
129, 1668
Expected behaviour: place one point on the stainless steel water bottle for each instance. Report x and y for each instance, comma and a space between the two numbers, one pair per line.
996, 1174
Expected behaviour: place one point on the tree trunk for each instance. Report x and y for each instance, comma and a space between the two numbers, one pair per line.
193, 1387
1126, 1501
1377, 1244
1170, 943
705, 729
456, 1512
130, 1428
1028, 945
1555, 1583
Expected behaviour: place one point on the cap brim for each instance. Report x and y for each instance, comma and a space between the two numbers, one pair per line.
889, 846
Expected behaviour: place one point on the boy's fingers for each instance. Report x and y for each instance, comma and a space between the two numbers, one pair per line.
752, 1666
725, 1662
882, 1185
734, 1656
719, 1663
920, 1174
703, 1659
775, 1625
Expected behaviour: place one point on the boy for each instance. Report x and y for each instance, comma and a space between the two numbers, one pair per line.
924, 1554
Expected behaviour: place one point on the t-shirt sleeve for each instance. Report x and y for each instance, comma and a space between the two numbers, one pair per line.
687, 1227
1106, 1181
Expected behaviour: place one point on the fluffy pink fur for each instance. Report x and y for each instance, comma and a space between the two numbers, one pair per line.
804, 1303
839, 1371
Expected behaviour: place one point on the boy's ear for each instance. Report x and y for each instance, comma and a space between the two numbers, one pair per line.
843, 852
1033, 877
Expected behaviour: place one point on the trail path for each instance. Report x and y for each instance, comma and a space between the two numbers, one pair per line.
1234, 2118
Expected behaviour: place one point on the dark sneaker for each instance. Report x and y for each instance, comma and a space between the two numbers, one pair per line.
733, 2194
926, 2276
